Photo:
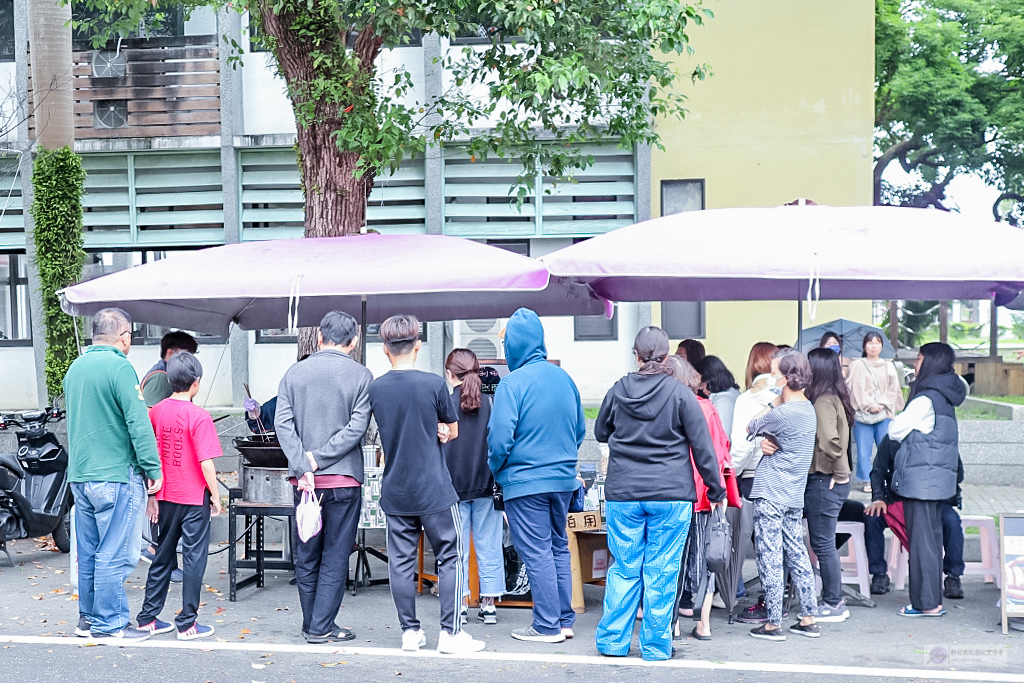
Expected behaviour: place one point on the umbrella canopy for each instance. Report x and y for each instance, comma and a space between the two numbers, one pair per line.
291, 283
851, 334
863, 252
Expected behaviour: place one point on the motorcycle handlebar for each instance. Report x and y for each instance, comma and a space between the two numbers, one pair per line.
51, 414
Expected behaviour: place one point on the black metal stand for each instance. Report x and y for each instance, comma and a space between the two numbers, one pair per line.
363, 578
255, 555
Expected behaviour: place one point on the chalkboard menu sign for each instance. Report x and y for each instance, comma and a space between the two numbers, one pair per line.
1011, 543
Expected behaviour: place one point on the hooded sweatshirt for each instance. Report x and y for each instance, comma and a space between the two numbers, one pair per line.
927, 465
651, 423
537, 423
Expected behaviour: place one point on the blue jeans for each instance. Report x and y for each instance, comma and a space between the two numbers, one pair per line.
821, 506
485, 524
646, 538
867, 437
537, 524
952, 541
109, 518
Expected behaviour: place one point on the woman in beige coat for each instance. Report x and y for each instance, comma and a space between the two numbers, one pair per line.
876, 396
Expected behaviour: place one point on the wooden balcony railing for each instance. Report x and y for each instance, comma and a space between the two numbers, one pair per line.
157, 87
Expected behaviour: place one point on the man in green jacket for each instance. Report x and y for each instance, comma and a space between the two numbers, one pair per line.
112, 448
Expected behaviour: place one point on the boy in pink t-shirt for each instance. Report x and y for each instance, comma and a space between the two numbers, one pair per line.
188, 444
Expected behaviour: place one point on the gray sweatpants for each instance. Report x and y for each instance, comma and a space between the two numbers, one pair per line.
444, 533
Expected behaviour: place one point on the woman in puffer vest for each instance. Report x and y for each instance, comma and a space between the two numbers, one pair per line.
925, 470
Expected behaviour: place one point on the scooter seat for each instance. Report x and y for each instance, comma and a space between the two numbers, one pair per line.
10, 461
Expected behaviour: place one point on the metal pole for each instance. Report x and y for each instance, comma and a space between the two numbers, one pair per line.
799, 322
993, 333
362, 333
894, 325
944, 322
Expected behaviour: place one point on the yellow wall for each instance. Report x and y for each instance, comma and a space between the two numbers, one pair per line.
787, 114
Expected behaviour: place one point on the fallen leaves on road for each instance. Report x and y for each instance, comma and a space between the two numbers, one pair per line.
329, 664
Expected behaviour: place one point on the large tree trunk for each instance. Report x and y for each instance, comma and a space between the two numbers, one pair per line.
52, 78
335, 196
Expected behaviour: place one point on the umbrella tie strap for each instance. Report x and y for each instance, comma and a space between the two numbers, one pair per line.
294, 295
814, 288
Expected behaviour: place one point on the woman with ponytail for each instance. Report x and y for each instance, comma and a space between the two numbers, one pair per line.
473, 481
656, 433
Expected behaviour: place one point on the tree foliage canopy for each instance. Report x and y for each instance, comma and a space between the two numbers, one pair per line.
949, 98
542, 71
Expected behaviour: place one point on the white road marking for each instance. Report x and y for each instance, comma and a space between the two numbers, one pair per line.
589, 660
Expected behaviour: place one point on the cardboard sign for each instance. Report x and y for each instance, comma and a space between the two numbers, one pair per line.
1011, 545
599, 568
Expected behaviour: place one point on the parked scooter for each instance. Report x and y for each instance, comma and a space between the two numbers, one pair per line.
35, 496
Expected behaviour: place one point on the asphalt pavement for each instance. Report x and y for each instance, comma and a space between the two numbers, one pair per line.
257, 639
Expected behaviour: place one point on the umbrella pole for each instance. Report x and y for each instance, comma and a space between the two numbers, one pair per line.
362, 332
799, 323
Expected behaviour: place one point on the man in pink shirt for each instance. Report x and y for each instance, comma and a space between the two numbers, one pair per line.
188, 444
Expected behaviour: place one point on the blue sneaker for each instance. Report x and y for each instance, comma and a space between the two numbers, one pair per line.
147, 555
156, 627
741, 591
177, 576
196, 630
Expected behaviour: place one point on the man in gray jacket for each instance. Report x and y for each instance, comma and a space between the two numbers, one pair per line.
323, 409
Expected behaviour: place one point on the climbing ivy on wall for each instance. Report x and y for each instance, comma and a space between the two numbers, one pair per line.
57, 182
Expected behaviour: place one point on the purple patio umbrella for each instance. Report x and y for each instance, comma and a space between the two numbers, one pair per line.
292, 283
862, 252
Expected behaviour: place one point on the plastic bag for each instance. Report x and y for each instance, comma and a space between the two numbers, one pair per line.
307, 516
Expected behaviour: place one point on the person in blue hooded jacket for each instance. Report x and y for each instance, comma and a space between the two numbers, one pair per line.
534, 434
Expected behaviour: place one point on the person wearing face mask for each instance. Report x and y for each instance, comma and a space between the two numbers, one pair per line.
761, 390
788, 431
876, 397
831, 341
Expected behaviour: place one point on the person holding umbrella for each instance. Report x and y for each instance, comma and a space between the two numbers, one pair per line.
656, 433
876, 397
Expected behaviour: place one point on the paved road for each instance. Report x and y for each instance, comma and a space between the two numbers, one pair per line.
38, 609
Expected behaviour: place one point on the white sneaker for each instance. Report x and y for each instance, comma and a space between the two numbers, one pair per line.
568, 633
413, 640
718, 602
459, 644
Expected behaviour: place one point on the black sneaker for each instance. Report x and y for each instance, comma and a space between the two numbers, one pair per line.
952, 588
758, 614
810, 630
338, 635
879, 584
765, 634
126, 636
82, 630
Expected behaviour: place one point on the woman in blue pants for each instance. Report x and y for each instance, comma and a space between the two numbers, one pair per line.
651, 424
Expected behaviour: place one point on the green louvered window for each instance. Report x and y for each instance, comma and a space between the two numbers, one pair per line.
480, 197
272, 202
153, 199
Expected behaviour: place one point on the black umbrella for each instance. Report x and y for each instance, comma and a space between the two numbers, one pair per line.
851, 334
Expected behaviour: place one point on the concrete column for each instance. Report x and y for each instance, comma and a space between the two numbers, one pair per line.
229, 25
642, 198
434, 186
25, 146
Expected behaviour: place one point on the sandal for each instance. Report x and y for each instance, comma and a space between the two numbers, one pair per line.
909, 611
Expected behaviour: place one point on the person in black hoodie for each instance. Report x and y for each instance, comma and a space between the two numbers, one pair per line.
473, 481
926, 469
651, 424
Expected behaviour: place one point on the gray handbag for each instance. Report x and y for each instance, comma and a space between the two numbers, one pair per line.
719, 544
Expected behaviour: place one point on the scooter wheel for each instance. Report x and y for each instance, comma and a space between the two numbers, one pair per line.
62, 534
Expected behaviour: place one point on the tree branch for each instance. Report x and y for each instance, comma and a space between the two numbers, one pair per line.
887, 157
995, 207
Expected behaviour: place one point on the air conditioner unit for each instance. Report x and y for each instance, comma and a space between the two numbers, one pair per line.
481, 337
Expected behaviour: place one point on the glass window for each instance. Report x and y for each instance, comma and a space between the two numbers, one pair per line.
15, 312
682, 319
595, 327
6, 30
679, 196
102, 263
521, 247
283, 336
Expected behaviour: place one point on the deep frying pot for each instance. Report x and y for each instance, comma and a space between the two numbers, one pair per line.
261, 453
